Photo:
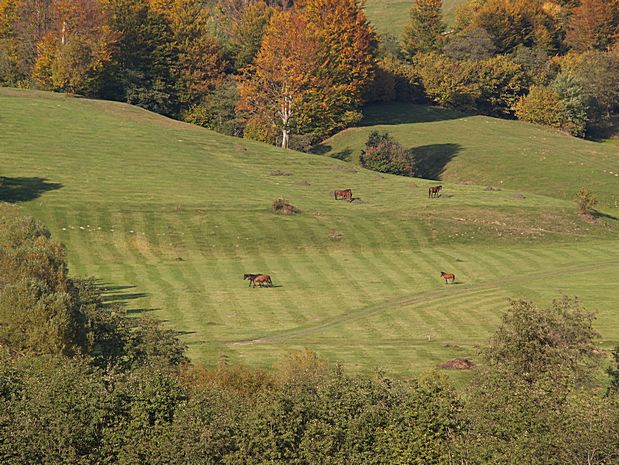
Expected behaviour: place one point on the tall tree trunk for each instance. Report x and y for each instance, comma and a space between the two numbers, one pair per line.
285, 138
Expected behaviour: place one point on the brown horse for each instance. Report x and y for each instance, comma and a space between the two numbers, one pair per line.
447, 276
434, 191
260, 279
343, 194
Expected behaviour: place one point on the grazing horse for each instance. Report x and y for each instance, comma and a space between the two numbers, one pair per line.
434, 191
447, 276
250, 277
343, 194
259, 279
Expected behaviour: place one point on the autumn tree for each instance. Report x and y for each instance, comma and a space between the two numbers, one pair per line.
23, 23
511, 23
73, 53
311, 70
287, 86
349, 43
594, 24
424, 32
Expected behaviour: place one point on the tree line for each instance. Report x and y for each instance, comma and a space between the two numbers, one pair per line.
552, 63
83, 383
294, 73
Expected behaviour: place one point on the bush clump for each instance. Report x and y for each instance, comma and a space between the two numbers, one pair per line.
384, 154
585, 201
282, 206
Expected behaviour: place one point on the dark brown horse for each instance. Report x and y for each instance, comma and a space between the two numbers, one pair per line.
343, 194
447, 276
434, 191
260, 279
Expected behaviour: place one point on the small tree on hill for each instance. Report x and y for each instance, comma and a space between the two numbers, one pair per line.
384, 154
586, 201
424, 32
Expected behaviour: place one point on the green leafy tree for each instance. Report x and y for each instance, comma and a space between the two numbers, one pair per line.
502, 83
141, 70
575, 104
545, 106
217, 111
533, 384
475, 44
55, 412
598, 75
424, 32
384, 154
448, 82
247, 31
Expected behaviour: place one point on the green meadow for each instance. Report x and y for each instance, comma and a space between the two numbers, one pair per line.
390, 16
170, 216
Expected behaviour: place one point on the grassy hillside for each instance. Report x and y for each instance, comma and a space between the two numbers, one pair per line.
390, 16
170, 216
489, 151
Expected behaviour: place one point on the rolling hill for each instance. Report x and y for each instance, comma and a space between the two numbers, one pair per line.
169, 216
481, 150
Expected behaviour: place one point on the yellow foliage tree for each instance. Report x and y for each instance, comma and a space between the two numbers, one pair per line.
71, 55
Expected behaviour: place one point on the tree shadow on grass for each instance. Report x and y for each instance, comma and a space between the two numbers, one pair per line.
406, 113
15, 190
323, 149
431, 160
121, 295
603, 216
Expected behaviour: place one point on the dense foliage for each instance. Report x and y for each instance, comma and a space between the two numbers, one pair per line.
523, 58
384, 154
82, 383
294, 73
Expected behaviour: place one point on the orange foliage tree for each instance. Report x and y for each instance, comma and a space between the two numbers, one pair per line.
594, 25
286, 86
313, 65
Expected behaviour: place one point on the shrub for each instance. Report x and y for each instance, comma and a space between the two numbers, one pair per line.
586, 201
284, 207
384, 154
546, 106
256, 129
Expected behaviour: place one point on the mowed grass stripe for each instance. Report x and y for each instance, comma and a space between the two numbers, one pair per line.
191, 196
